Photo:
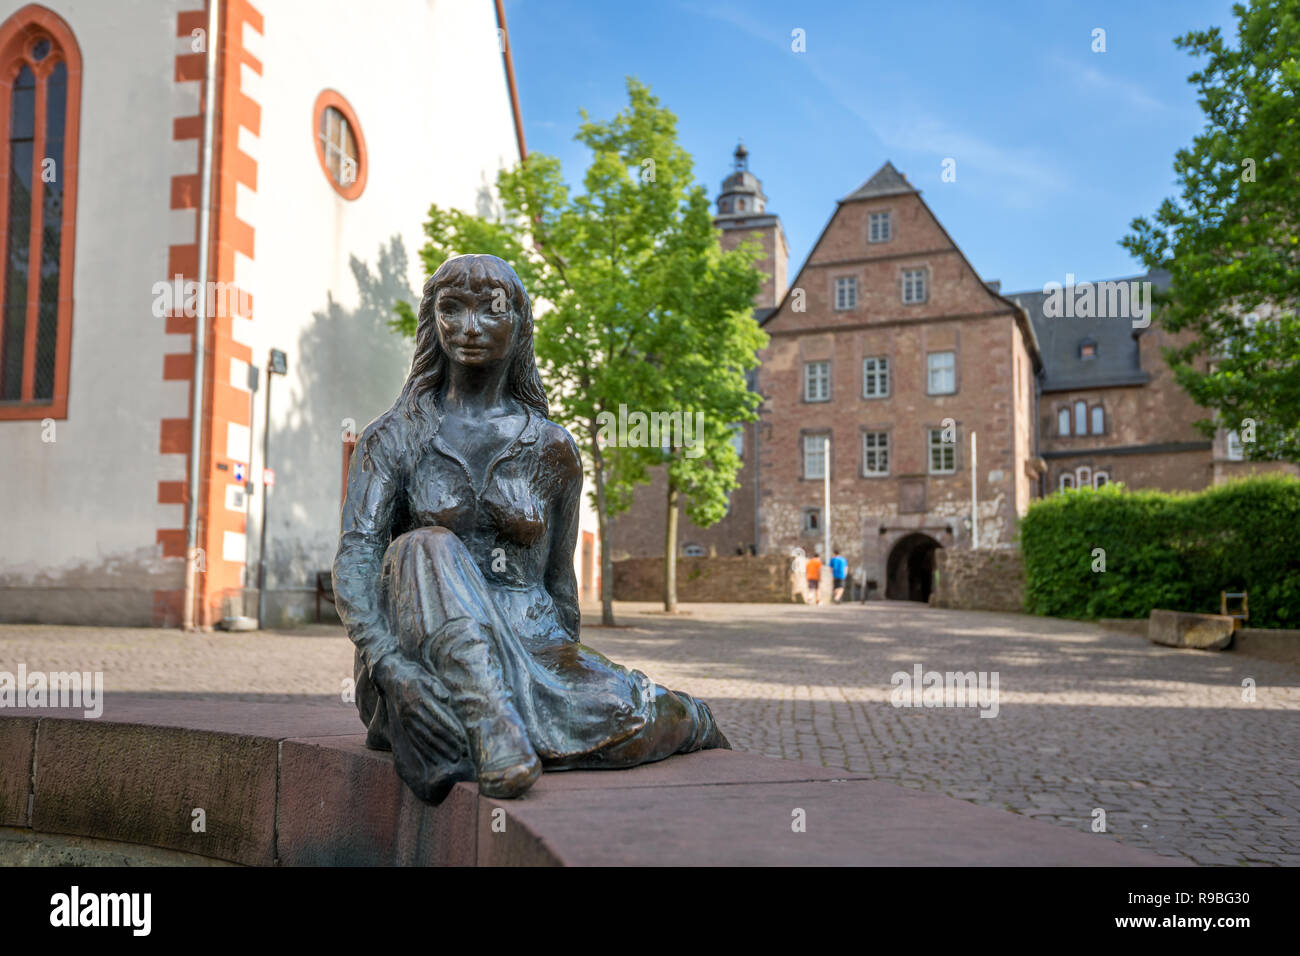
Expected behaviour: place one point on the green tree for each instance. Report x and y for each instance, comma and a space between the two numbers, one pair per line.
701, 355
1231, 239
637, 305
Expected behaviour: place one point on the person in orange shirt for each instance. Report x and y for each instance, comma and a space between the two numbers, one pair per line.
814, 573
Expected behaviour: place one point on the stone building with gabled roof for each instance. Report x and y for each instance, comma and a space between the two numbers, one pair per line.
889, 344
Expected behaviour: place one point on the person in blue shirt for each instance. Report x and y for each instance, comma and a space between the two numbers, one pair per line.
839, 571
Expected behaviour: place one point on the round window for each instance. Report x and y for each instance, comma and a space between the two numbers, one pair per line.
340, 146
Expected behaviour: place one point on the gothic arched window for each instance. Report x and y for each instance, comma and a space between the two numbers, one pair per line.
40, 95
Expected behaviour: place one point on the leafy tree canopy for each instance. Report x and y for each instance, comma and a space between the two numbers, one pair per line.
1231, 238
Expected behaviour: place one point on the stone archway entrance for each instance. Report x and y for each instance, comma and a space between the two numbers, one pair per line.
910, 571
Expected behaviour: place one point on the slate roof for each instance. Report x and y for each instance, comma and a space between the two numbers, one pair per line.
1117, 357
887, 181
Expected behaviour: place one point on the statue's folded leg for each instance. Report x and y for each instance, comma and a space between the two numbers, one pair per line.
678, 724
440, 609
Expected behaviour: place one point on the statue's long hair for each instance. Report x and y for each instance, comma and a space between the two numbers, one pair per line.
477, 275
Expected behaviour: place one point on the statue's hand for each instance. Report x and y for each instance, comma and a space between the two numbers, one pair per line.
417, 702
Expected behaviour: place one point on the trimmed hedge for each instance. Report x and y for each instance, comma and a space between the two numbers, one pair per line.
1167, 550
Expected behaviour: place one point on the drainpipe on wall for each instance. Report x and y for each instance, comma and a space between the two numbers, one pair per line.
1038, 426
200, 318
508, 60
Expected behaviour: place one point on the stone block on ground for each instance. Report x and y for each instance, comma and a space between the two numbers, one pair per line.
1204, 632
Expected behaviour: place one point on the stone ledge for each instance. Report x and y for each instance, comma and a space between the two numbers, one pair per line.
766, 579
289, 784
1272, 644
1266, 643
990, 579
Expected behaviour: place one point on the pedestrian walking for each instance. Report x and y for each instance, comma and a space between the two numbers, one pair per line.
839, 571
814, 572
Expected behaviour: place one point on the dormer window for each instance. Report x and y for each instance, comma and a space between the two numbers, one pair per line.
1087, 349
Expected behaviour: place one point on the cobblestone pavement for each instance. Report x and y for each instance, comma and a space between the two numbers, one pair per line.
1160, 739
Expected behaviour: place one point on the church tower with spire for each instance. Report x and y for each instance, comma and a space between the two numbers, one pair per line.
742, 215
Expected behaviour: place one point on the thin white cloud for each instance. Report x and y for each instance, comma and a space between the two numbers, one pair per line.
1093, 78
897, 123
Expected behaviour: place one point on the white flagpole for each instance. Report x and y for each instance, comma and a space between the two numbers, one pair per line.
826, 501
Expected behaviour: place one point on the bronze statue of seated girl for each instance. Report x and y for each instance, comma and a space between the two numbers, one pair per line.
454, 573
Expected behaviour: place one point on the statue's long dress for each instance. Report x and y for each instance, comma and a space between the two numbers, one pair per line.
477, 586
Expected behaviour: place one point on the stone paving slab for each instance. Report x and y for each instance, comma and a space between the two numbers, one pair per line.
1161, 739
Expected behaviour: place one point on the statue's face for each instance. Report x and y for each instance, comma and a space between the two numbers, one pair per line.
476, 329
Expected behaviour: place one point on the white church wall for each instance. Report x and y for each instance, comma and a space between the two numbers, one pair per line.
427, 83
80, 513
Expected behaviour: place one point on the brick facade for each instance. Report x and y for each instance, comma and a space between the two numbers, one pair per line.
888, 524
1015, 367
1146, 440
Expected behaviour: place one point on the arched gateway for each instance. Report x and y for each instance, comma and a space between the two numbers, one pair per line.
910, 571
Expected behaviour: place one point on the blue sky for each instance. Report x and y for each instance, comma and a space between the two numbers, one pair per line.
1057, 148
